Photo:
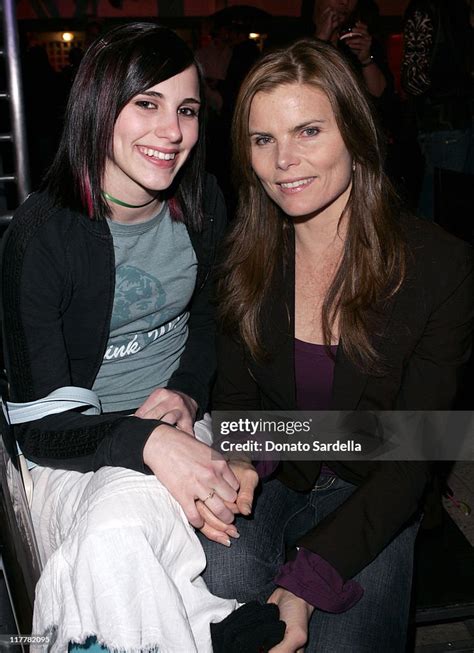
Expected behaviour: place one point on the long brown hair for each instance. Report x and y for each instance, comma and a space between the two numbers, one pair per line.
373, 261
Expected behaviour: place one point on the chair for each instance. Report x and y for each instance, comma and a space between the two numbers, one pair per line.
20, 565
444, 583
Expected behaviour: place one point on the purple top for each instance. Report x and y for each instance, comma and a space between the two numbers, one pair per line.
309, 576
314, 373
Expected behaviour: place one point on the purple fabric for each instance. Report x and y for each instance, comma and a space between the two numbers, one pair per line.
314, 373
309, 576
316, 581
265, 467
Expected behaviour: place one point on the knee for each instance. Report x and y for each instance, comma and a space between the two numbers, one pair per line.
234, 573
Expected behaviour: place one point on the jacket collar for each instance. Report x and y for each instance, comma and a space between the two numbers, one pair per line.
279, 326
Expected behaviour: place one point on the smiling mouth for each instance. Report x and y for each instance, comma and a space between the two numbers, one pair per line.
156, 154
299, 183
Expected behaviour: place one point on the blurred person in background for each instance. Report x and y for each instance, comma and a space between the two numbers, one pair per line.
353, 27
214, 59
436, 75
344, 24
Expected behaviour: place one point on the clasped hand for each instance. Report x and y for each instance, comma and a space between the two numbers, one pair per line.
216, 529
210, 491
190, 469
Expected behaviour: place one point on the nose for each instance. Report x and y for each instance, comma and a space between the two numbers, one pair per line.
286, 156
168, 126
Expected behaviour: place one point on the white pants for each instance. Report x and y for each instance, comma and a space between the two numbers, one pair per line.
121, 563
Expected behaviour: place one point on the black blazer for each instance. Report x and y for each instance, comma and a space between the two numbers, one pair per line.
424, 335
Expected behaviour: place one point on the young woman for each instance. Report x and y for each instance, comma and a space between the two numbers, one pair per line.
106, 285
331, 298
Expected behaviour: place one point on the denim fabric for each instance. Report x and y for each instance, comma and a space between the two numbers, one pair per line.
448, 150
376, 624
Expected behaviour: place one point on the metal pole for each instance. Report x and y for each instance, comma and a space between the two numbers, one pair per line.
15, 90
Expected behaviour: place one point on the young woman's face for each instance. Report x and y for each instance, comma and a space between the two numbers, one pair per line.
153, 136
297, 151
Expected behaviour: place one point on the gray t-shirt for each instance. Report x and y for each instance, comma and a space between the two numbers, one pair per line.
155, 275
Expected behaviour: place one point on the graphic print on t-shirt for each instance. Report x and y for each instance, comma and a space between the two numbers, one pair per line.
137, 294
155, 276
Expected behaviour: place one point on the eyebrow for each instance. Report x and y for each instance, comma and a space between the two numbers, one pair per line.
307, 124
258, 133
297, 128
188, 100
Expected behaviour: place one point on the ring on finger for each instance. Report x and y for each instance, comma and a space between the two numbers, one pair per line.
210, 495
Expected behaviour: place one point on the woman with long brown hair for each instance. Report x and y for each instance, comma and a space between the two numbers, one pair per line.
331, 298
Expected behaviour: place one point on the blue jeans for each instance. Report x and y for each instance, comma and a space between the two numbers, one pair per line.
376, 624
448, 150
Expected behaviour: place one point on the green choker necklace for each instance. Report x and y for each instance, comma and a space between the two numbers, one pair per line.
128, 206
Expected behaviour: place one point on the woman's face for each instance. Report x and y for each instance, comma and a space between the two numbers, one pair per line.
153, 136
343, 8
297, 151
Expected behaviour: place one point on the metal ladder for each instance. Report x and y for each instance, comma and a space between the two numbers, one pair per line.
10, 52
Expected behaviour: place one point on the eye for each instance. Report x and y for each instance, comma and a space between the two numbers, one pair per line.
145, 104
262, 140
189, 112
311, 131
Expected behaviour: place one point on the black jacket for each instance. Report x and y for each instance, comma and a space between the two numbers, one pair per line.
424, 337
58, 281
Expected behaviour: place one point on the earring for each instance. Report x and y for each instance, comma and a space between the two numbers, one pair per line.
353, 166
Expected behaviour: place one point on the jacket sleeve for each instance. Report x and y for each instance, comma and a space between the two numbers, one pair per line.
36, 289
393, 491
197, 366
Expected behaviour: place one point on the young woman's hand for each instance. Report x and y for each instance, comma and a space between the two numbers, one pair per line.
191, 470
360, 42
171, 406
296, 613
215, 529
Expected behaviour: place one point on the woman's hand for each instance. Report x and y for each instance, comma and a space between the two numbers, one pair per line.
248, 479
191, 470
296, 613
327, 23
215, 529
171, 406
218, 531
359, 41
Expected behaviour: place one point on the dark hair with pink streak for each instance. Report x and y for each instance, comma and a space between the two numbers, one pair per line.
119, 65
